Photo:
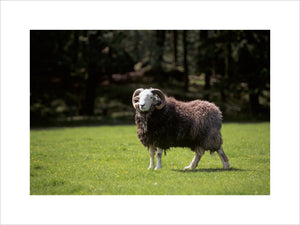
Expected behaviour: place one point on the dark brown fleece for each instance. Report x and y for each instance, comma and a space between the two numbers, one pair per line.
181, 124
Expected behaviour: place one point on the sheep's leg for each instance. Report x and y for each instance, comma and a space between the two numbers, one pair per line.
198, 154
223, 158
158, 157
152, 153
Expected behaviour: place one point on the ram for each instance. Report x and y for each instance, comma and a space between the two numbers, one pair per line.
164, 122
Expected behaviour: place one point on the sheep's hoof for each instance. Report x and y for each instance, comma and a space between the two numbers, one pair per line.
150, 167
187, 168
226, 166
157, 168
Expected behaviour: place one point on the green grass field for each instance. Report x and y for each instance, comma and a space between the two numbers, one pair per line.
110, 160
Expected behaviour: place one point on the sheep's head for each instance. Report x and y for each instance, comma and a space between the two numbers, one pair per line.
144, 98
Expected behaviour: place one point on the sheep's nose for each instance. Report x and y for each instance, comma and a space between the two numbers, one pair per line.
142, 105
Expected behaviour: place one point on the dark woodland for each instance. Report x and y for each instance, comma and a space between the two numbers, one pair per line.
85, 77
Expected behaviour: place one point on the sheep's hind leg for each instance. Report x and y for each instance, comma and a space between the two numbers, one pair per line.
198, 154
158, 157
223, 158
152, 153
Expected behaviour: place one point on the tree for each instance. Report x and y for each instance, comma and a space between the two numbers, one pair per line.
174, 35
185, 62
204, 62
254, 64
93, 59
158, 57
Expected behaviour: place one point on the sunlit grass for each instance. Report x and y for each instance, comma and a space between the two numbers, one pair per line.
110, 160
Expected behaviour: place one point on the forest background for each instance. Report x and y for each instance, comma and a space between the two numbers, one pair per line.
87, 77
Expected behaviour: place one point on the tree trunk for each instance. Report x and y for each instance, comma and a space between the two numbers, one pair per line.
175, 37
137, 39
109, 66
203, 36
185, 63
207, 80
160, 40
91, 82
90, 93
226, 71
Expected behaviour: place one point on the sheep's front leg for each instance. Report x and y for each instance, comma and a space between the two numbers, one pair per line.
158, 157
198, 154
152, 153
223, 158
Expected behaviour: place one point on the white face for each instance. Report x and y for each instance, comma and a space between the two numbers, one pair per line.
146, 100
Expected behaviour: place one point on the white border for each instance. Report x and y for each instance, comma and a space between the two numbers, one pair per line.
281, 207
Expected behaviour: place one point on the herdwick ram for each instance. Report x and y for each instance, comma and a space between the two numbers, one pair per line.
164, 122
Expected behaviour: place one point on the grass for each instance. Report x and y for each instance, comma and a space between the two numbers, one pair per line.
110, 160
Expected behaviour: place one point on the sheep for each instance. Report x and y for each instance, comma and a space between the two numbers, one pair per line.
164, 122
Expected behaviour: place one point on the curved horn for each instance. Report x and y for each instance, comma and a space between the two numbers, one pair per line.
135, 97
162, 97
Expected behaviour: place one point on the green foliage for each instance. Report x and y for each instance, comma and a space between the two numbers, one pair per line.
109, 160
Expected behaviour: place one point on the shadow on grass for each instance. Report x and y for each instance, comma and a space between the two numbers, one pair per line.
209, 170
